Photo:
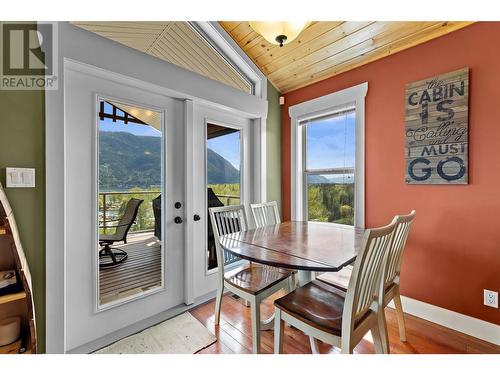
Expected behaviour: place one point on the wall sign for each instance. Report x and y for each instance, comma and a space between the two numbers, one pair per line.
436, 125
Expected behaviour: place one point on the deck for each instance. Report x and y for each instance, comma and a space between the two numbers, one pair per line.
139, 273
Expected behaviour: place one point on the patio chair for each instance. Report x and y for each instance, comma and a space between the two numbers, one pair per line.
117, 255
156, 203
212, 201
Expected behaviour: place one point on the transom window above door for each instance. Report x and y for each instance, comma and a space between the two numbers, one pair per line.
329, 145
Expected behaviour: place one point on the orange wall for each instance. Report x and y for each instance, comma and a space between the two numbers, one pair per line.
453, 252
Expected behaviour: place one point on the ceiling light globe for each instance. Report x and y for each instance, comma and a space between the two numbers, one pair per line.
279, 33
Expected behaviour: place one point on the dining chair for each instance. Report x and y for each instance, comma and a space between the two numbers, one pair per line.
392, 272
325, 313
265, 213
252, 282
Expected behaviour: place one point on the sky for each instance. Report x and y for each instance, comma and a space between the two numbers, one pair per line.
331, 143
227, 146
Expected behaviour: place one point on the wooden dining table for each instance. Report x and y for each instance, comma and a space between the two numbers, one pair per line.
307, 247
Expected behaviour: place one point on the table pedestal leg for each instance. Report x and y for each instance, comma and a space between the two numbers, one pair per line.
305, 277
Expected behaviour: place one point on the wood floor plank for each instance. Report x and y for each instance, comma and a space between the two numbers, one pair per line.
234, 334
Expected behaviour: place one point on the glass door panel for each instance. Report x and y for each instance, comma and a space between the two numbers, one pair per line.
223, 175
130, 164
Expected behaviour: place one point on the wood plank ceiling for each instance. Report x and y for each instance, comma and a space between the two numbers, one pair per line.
325, 49
176, 42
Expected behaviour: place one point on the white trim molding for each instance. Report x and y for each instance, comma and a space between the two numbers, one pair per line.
450, 319
324, 105
226, 46
231, 51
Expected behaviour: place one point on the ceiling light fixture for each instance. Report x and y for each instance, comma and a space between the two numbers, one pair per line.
279, 33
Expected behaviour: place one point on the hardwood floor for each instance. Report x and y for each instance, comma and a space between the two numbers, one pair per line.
234, 334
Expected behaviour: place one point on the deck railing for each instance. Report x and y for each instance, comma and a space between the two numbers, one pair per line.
112, 204
228, 200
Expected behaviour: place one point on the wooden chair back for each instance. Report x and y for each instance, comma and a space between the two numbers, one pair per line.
364, 284
403, 224
265, 213
226, 220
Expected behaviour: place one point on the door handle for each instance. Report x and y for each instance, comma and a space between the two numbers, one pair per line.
177, 220
196, 217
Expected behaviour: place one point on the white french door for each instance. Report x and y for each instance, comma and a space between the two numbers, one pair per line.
220, 135
88, 318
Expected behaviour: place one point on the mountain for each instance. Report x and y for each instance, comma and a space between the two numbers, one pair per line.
219, 170
317, 179
341, 180
129, 161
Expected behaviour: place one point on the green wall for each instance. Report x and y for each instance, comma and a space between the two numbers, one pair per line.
22, 144
273, 145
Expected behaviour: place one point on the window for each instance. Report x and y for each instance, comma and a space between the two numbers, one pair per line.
329, 162
328, 158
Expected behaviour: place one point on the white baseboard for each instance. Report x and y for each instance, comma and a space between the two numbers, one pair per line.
466, 324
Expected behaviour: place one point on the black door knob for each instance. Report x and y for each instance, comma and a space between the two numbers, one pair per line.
196, 217
177, 220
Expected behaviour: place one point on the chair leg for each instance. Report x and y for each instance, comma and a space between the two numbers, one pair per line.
255, 306
345, 345
399, 315
377, 340
218, 303
382, 326
314, 345
279, 330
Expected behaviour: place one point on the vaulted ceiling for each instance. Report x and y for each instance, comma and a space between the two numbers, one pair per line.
176, 42
325, 49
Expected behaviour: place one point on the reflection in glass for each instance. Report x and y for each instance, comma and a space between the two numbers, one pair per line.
130, 164
223, 175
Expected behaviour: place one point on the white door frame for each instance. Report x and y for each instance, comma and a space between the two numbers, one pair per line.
73, 45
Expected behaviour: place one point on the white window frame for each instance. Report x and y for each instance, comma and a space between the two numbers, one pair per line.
324, 106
